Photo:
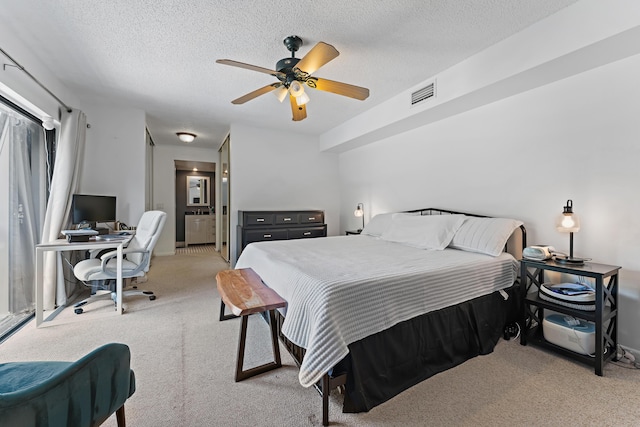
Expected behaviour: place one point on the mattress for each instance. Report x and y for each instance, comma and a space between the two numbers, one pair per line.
344, 288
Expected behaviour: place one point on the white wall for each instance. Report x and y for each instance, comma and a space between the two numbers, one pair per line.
581, 37
273, 170
114, 160
547, 115
164, 187
523, 157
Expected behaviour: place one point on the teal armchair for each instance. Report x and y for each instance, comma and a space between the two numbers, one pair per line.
81, 393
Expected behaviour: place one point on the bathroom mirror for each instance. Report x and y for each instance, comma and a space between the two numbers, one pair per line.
197, 190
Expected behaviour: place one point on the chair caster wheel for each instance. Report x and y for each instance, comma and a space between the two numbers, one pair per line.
78, 311
152, 297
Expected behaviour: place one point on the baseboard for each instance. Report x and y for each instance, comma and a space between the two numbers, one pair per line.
164, 253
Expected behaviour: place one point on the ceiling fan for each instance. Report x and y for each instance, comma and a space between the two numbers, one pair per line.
294, 73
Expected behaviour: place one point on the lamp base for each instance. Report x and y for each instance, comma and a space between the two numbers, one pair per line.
569, 260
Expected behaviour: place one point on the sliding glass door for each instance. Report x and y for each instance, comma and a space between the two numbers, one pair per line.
22, 200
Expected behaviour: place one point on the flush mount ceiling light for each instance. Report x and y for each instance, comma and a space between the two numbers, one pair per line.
186, 137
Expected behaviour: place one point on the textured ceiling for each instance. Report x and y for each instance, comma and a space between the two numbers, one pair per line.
159, 55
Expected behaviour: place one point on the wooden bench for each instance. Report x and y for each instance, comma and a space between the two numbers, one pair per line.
244, 293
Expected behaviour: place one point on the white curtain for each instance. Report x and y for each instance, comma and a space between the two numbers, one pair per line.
25, 231
23, 141
66, 174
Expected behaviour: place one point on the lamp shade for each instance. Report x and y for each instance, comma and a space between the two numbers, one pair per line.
186, 137
302, 99
281, 93
568, 221
296, 89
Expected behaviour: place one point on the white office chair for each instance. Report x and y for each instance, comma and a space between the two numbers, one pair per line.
138, 257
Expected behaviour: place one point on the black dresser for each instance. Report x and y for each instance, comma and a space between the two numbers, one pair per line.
261, 226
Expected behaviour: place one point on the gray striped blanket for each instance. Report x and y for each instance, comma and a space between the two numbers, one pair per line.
344, 288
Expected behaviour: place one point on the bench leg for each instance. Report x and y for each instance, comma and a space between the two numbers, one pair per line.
225, 316
242, 374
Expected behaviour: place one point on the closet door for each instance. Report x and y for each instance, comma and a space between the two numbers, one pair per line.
222, 214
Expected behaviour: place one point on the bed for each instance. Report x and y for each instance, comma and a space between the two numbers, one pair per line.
414, 294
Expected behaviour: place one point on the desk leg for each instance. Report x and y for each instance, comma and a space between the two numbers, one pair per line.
119, 281
39, 286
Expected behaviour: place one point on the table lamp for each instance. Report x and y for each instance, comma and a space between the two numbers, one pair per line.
359, 212
568, 222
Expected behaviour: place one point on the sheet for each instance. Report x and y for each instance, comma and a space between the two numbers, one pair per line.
344, 288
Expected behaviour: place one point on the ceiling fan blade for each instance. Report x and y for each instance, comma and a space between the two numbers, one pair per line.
250, 67
339, 88
319, 55
299, 111
256, 93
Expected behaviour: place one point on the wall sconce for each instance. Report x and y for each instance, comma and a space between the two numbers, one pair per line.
359, 212
186, 137
568, 222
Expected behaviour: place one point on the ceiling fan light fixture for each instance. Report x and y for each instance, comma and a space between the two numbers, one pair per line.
281, 93
302, 99
296, 89
186, 137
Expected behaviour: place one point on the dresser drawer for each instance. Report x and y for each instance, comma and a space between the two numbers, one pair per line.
311, 218
286, 218
306, 232
253, 219
264, 235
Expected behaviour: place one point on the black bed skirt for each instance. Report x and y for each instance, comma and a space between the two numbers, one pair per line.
383, 365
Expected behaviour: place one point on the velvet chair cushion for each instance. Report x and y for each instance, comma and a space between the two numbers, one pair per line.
81, 393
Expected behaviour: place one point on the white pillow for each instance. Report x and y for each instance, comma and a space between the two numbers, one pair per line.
484, 235
381, 223
423, 232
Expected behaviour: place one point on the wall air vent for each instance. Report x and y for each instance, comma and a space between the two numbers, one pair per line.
423, 94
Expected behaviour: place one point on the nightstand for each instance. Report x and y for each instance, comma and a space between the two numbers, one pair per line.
605, 316
349, 232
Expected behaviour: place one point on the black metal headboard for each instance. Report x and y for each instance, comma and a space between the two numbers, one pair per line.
513, 239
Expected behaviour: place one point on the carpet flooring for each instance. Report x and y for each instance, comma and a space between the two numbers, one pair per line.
184, 360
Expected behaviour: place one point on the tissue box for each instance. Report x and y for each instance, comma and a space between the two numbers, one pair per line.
571, 333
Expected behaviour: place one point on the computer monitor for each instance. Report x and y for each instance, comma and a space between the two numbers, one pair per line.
93, 209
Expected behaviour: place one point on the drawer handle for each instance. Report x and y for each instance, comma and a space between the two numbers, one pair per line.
287, 219
307, 233
259, 219
313, 218
267, 236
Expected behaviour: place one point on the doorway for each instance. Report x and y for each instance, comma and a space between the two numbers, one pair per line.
195, 214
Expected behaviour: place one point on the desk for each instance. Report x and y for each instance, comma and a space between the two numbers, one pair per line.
62, 245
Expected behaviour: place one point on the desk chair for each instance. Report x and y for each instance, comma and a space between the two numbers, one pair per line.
136, 264
84, 393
